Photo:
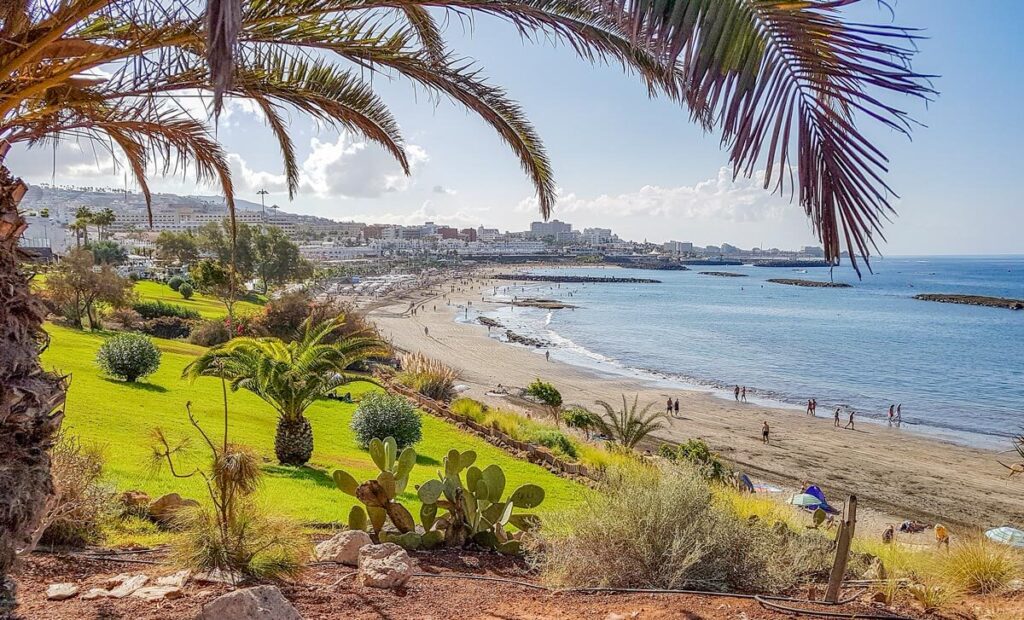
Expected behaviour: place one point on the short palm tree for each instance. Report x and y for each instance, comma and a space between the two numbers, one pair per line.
628, 427
289, 376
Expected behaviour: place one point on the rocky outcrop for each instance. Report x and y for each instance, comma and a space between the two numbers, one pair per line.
722, 274
809, 283
511, 336
258, 603
974, 300
343, 547
384, 566
163, 509
547, 304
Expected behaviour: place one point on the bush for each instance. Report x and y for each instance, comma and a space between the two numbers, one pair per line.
697, 453
545, 393
81, 502
157, 309
652, 530
427, 376
169, 327
979, 566
381, 415
470, 408
175, 283
578, 417
186, 290
128, 356
125, 318
557, 442
210, 333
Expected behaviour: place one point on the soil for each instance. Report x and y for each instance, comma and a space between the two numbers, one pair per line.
446, 588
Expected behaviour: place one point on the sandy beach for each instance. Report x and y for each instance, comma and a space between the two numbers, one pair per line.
896, 473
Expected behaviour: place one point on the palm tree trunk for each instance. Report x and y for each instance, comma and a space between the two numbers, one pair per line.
29, 396
293, 444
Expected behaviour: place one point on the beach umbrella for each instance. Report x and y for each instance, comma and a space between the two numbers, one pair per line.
803, 500
1007, 535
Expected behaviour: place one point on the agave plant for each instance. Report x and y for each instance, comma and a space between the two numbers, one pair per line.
628, 426
289, 376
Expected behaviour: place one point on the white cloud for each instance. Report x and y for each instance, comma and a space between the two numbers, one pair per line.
440, 189
249, 180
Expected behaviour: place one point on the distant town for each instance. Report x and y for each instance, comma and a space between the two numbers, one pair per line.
51, 214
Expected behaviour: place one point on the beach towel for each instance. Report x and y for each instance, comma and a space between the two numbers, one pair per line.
816, 492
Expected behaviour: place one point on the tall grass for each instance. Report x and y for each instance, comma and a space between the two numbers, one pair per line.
427, 376
979, 566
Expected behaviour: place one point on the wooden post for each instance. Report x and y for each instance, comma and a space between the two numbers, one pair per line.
843, 539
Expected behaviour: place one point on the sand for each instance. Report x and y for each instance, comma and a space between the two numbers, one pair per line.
898, 473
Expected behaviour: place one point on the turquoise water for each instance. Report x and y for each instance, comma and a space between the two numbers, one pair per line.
957, 370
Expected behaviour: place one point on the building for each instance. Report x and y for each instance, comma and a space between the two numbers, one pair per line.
44, 233
331, 252
539, 230
730, 249
597, 236
678, 247
487, 235
468, 234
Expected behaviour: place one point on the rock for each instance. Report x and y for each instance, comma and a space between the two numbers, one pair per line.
178, 579
61, 591
880, 597
157, 593
95, 593
135, 502
384, 566
875, 571
116, 580
343, 547
219, 576
258, 603
128, 586
164, 508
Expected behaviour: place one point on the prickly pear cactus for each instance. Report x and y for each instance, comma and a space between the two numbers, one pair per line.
378, 495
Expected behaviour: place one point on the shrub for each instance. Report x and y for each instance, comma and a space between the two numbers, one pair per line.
427, 376
979, 566
381, 415
470, 408
125, 318
697, 453
168, 327
81, 503
653, 530
545, 393
210, 333
578, 417
128, 356
157, 309
175, 283
186, 290
557, 442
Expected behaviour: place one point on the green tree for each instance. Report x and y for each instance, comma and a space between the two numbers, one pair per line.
549, 396
218, 280
178, 247
102, 220
628, 426
108, 253
277, 259
75, 286
83, 219
215, 239
289, 377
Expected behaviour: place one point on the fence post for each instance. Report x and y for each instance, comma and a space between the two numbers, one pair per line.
846, 530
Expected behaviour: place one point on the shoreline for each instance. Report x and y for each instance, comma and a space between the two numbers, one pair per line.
901, 474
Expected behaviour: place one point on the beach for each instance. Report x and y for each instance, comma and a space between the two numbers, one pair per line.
899, 474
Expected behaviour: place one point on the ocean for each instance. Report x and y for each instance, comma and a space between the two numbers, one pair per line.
958, 371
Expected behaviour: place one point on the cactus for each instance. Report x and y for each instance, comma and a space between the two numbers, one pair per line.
379, 495
475, 510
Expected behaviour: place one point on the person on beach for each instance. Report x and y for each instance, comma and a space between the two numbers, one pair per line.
809, 407
889, 535
850, 423
835, 418
941, 536
892, 414
547, 356
743, 394
814, 407
668, 406
426, 331
899, 414
765, 431
677, 407
736, 393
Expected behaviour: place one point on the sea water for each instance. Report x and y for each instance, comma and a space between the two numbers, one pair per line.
957, 370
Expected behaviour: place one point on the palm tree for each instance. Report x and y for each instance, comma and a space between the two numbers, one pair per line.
290, 376
628, 427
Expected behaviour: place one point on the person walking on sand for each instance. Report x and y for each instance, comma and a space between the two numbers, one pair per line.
736, 393
892, 413
850, 423
809, 407
676, 406
899, 414
743, 394
668, 406
765, 431
426, 331
814, 407
835, 418
547, 356
941, 536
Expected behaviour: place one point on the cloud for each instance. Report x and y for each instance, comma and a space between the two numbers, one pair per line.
440, 189
351, 168
249, 180
718, 198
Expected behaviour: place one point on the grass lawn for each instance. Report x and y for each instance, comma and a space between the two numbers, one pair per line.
208, 307
120, 417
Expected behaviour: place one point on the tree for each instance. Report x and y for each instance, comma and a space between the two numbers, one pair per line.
277, 259
83, 219
549, 396
628, 427
215, 239
289, 376
217, 280
102, 220
178, 247
108, 253
75, 286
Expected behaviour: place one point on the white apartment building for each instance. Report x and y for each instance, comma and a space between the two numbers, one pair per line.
597, 236
44, 232
677, 247
487, 235
330, 252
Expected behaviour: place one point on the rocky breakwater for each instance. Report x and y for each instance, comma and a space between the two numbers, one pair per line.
722, 274
547, 304
809, 283
529, 277
974, 300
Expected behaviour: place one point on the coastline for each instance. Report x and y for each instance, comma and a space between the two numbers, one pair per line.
901, 474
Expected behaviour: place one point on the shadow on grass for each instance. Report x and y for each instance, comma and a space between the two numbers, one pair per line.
148, 387
305, 473
423, 459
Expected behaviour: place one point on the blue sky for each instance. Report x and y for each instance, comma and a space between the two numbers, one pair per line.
638, 165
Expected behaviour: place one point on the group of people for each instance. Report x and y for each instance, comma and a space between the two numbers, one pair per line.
672, 408
740, 393
895, 414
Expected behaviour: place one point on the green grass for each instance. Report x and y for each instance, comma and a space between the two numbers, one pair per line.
208, 307
120, 417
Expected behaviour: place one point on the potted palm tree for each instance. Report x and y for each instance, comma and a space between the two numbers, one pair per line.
290, 376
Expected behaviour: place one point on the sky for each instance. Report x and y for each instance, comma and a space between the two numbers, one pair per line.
637, 165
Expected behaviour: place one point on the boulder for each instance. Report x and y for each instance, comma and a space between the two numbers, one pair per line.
129, 585
61, 591
95, 593
343, 547
258, 603
163, 509
178, 579
384, 566
158, 593
135, 502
